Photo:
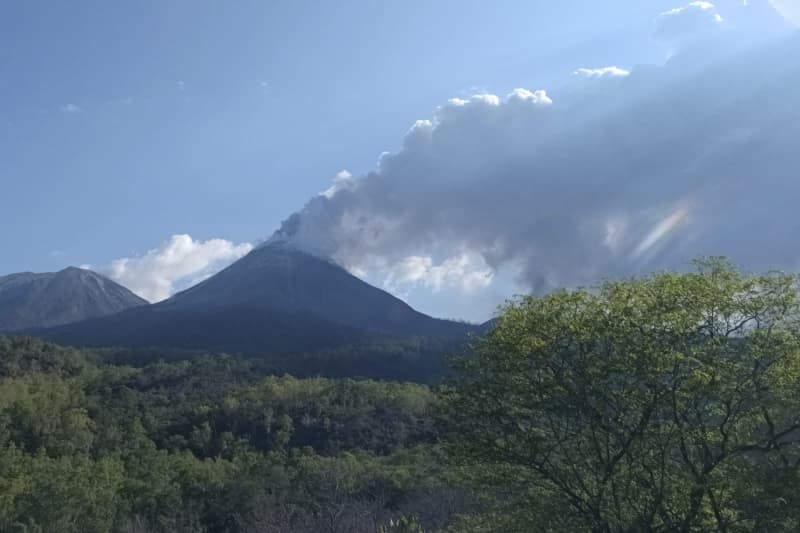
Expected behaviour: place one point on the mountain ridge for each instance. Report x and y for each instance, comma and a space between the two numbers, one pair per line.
276, 299
39, 300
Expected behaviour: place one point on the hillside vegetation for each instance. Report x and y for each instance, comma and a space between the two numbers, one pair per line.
209, 444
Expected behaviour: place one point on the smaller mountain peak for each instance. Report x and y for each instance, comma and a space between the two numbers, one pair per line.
32, 301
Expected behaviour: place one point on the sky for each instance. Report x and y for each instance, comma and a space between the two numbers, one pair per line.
434, 145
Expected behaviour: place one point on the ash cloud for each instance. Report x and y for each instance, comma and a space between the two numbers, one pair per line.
609, 176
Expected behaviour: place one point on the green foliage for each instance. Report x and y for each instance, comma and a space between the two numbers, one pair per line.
416, 359
208, 444
44, 413
667, 403
24, 355
328, 416
67, 494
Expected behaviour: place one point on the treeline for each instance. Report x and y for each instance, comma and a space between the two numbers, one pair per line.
414, 359
211, 444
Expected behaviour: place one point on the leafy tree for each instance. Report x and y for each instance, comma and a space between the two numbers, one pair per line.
70, 494
44, 413
665, 403
23, 355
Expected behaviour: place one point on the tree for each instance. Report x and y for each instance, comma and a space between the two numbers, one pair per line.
664, 403
69, 494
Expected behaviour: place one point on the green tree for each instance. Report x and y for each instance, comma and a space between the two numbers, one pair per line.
665, 403
65, 495
42, 412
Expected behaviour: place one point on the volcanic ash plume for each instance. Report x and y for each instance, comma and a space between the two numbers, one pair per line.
611, 175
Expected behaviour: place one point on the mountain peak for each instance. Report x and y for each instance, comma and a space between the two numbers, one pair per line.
281, 277
75, 270
280, 242
30, 300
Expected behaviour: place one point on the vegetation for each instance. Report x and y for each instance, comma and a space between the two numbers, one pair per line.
668, 403
414, 359
665, 403
210, 445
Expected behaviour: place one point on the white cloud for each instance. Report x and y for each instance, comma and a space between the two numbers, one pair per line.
603, 72
71, 108
687, 23
700, 5
179, 262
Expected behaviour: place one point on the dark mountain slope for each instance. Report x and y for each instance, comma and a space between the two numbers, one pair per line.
276, 300
282, 278
231, 329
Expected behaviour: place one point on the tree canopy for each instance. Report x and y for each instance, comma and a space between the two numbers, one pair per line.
663, 403
211, 444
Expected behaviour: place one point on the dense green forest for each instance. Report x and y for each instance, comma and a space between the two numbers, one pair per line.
210, 444
664, 403
412, 359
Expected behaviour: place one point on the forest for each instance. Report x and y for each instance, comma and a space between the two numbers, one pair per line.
209, 444
667, 402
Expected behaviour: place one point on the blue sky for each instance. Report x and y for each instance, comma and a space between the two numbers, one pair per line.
226, 156
125, 123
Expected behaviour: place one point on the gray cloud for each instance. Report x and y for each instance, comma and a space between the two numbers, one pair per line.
608, 177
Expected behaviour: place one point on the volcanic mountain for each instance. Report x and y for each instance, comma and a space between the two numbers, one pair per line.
278, 298
29, 300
